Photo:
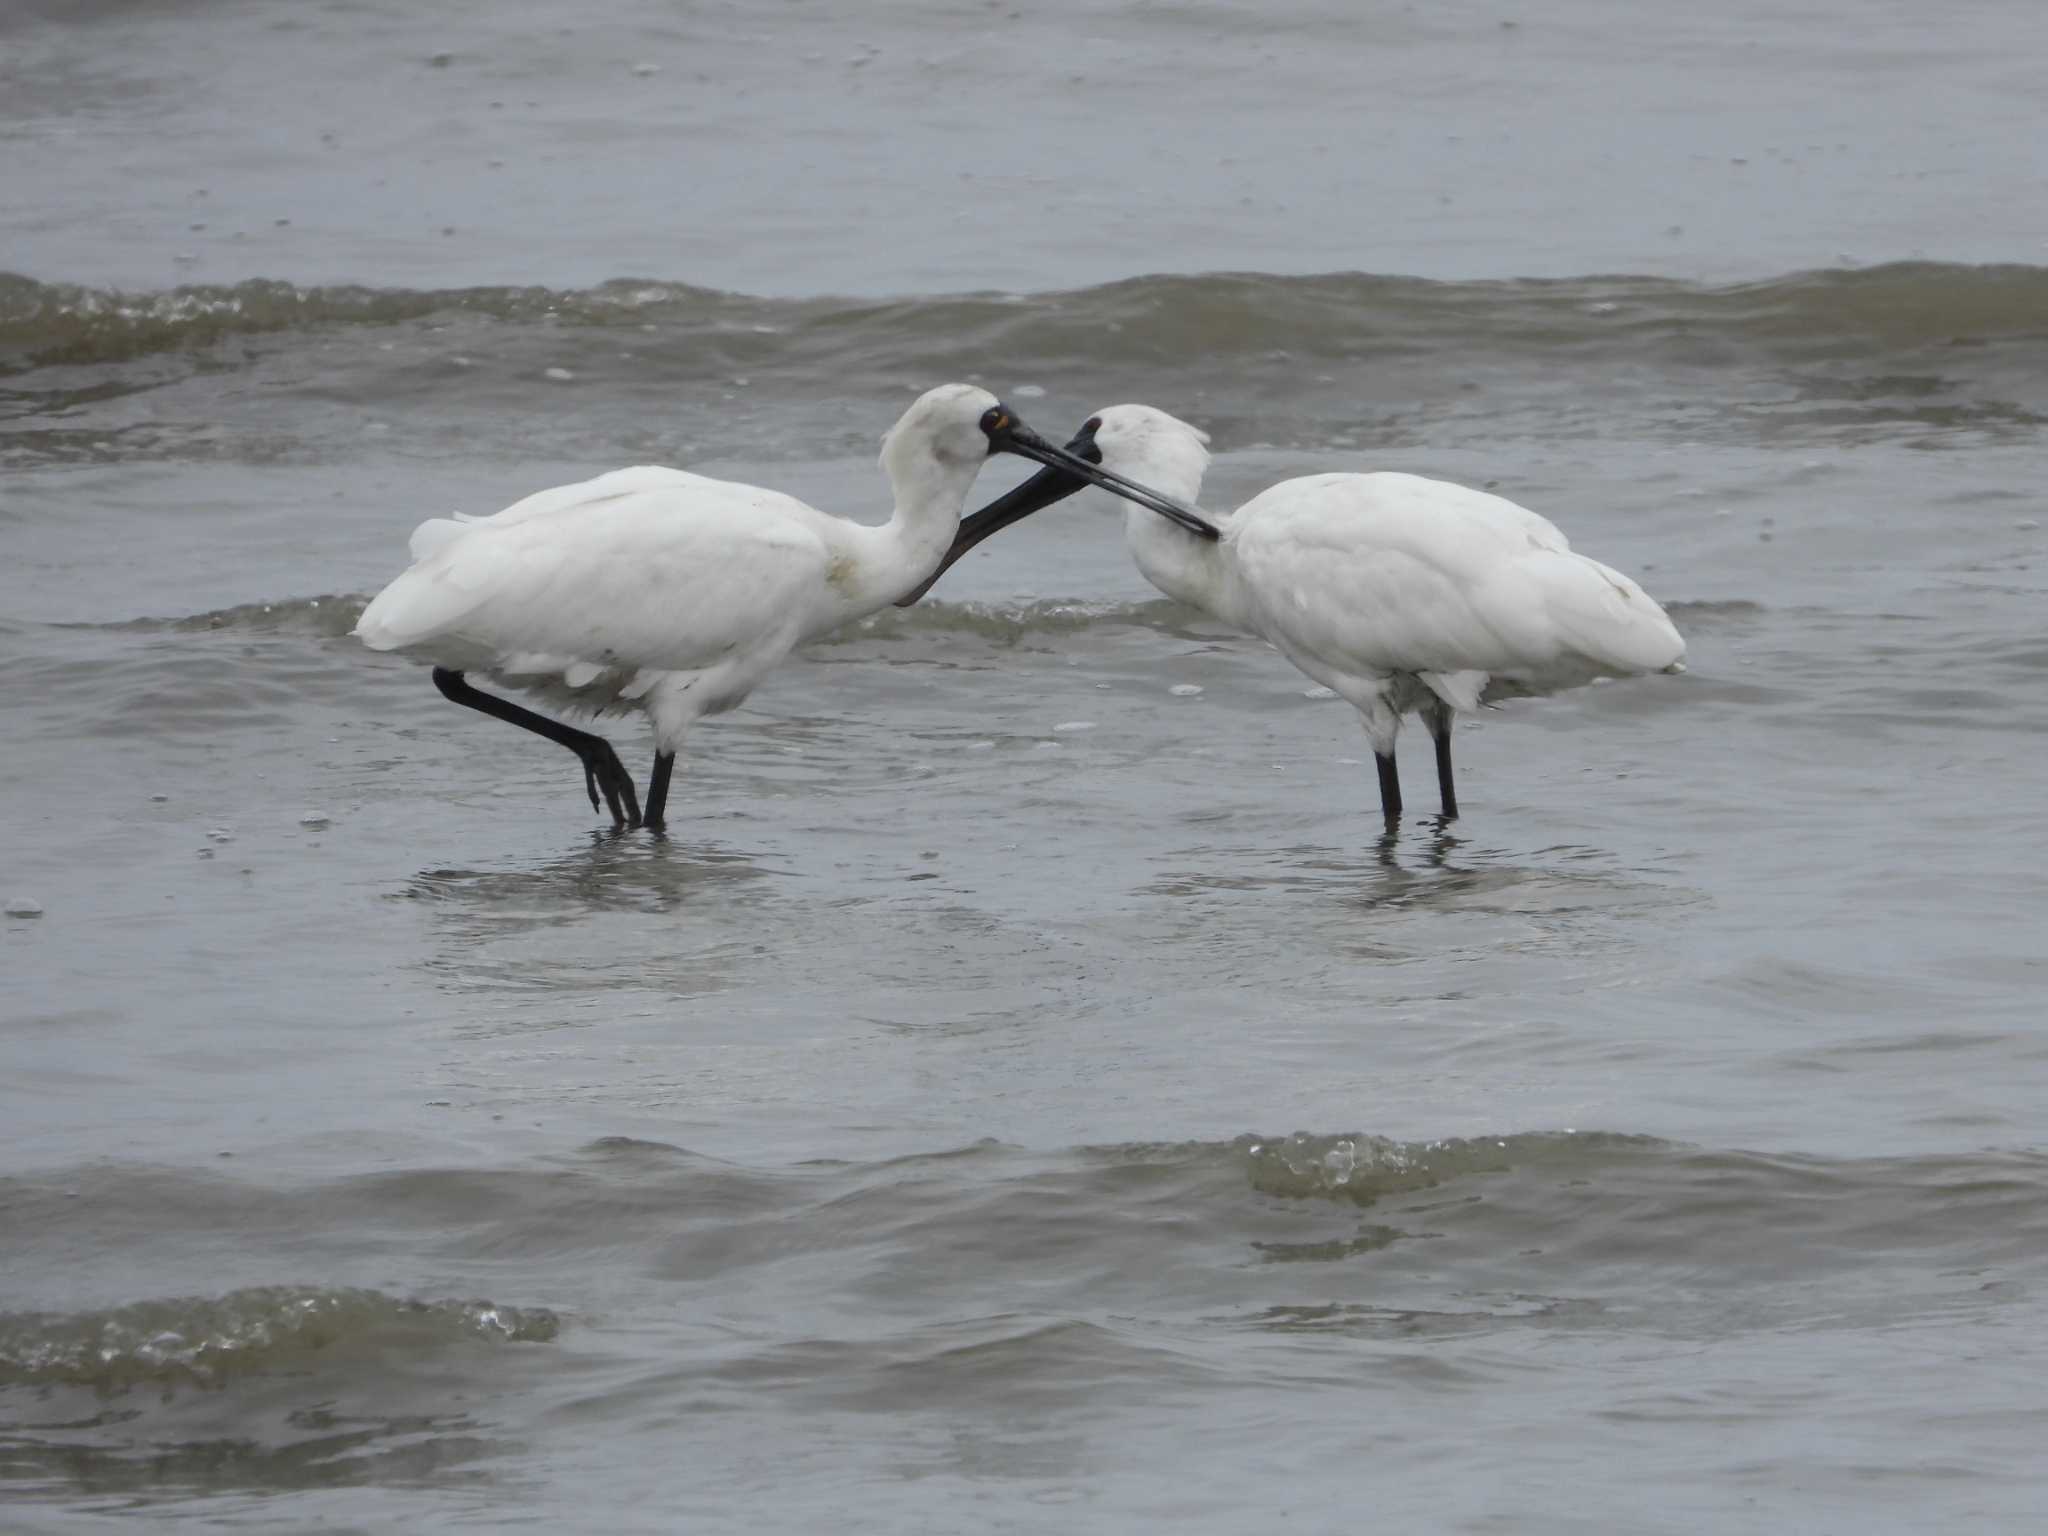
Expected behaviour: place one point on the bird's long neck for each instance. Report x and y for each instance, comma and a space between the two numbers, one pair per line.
1186, 568
875, 566
1168, 455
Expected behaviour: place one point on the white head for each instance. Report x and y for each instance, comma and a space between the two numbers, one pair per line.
1145, 443
949, 425
1148, 445
1144, 433
948, 433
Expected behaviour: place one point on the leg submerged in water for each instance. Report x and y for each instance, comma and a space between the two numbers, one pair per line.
1437, 716
656, 817
602, 769
1390, 786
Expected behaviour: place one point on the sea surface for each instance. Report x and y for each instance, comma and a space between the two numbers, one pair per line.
1027, 1091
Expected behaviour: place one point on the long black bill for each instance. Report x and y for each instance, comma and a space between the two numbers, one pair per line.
1067, 470
1020, 439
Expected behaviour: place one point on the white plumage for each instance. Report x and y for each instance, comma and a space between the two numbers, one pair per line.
667, 592
648, 586
1402, 594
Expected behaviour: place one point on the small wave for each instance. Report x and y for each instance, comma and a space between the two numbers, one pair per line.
1714, 609
333, 615
1161, 322
205, 1341
50, 323
1362, 1167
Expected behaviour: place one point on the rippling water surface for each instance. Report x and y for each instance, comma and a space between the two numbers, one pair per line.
1027, 1091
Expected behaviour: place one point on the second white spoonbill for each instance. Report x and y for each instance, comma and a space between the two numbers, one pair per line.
1403, 595
666, 592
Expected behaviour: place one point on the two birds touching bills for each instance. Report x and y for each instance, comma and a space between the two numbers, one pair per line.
661, 591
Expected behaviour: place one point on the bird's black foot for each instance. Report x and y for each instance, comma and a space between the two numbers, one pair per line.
603, 772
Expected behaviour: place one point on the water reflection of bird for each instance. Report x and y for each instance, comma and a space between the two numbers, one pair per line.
666, 592
1403, 595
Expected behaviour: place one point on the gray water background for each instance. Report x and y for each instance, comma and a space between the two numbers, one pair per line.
1019, 1096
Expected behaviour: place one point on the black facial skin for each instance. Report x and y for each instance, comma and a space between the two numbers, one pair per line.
1067, 470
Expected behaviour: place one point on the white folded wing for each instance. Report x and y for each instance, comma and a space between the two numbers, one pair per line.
1392, 573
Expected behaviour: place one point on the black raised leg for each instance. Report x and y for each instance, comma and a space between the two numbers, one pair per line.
1438, 718
602, 769
1390, 786
657, 792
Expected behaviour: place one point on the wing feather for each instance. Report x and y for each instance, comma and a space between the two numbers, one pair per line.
1385, 573
648, 569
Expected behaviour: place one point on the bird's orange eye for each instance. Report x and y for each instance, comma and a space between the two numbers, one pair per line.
995, 419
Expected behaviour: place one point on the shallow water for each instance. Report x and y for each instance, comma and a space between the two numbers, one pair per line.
1019, 1095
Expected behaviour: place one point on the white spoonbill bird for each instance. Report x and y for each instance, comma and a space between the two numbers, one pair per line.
667, 592
1402, 594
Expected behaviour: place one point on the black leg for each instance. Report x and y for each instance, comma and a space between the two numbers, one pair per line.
601, 766
1390, 786
657, 792
1438, 718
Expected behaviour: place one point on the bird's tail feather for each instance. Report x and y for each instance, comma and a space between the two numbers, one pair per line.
436, 533
1608, 618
